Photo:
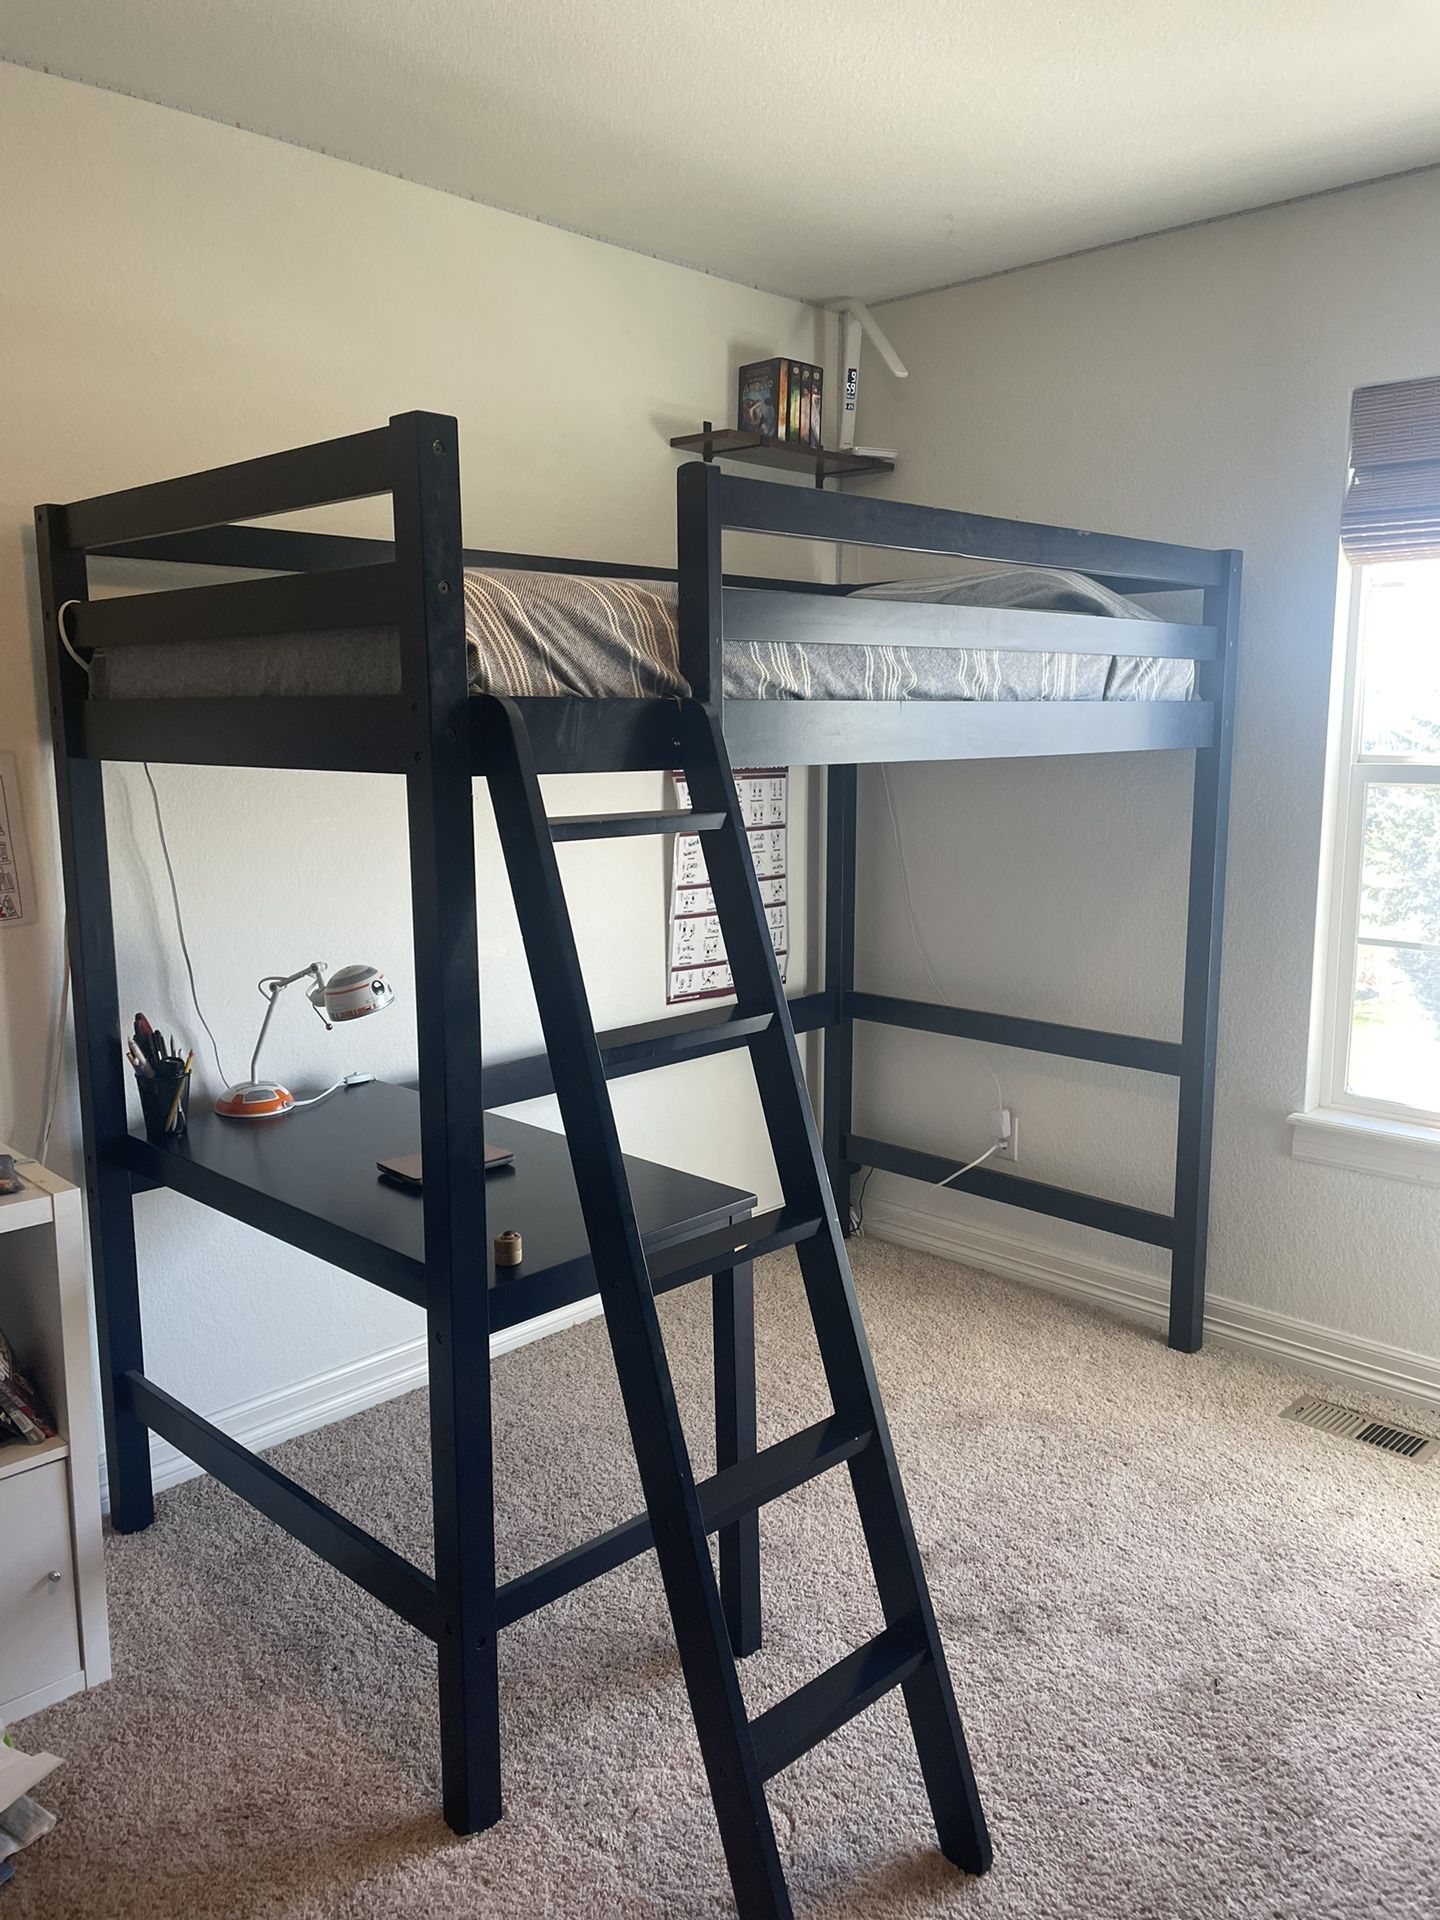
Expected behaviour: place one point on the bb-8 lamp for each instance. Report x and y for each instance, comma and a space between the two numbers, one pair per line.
349, 994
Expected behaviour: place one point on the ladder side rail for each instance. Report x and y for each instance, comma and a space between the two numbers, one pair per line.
830, 1288
647, 1389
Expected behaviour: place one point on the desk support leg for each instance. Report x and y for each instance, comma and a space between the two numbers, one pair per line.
733, 1308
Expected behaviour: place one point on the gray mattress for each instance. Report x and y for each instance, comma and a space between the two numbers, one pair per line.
552, 634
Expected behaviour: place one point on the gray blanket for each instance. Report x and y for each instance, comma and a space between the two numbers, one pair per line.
987, 673
548, 634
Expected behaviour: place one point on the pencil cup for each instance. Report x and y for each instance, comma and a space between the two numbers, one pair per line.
164, 1103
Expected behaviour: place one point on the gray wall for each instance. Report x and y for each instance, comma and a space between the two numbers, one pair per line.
1193, 387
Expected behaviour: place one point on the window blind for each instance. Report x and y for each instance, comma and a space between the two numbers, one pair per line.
1392, 505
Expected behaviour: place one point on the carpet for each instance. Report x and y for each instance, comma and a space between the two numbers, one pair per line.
1197, 1650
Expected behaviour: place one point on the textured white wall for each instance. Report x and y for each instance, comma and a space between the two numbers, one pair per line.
175, 294
1193, 387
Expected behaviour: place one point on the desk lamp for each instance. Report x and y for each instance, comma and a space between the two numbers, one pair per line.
349, 994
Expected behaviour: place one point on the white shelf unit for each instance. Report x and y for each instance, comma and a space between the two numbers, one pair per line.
53, 1634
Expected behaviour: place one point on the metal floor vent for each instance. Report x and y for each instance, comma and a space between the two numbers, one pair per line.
1330, 1417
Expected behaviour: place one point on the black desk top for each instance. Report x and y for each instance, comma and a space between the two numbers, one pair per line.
310, 1179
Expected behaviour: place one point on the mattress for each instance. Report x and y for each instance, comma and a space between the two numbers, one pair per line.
547, 635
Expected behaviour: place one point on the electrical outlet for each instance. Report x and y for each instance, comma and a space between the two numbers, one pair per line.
1005, 1133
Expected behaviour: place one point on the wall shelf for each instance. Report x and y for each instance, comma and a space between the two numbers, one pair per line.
824, 463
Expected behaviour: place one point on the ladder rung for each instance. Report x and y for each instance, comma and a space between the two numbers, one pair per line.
724, 1498
822, 1706
776, 1470
625, 826
659, 1042
706, 1253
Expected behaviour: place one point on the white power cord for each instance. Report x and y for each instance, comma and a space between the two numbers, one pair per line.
60, 613
857, 1211
179, 920
84, 666
988, 1154
57, 1059
57, 1056
350, 1080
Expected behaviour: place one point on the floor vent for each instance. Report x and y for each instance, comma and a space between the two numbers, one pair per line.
1332, 1418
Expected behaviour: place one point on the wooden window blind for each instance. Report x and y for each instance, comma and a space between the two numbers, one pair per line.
1392, 505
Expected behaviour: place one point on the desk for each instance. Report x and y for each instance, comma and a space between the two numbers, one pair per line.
310, 1179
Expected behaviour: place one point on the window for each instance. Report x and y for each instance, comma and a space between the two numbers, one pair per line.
1377, 1090
1383, 1043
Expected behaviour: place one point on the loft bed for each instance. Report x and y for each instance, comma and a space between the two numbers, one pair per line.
331, 585
134, 677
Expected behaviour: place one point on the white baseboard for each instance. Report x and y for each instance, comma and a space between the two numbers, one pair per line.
1367, 1364
287, 1412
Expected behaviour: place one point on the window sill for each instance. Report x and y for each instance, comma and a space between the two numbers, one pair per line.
1365, 1143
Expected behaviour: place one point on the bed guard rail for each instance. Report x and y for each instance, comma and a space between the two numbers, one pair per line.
713, 611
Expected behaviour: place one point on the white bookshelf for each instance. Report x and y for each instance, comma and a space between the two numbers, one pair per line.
53, 1635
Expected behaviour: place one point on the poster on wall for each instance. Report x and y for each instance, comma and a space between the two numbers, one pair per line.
698, 967
17, 907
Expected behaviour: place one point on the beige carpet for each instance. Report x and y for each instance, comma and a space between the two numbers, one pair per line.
1197, 1650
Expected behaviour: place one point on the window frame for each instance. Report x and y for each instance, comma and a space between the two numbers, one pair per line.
1356, 772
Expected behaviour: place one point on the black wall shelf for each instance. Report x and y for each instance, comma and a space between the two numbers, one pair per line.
825, 463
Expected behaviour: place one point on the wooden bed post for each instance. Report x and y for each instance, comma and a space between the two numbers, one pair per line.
440, 801
1200, 1020
837, 1085
90, 933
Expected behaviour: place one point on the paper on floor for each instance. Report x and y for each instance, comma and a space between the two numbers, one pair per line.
19, 1772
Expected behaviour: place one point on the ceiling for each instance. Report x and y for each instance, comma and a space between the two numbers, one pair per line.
872, 147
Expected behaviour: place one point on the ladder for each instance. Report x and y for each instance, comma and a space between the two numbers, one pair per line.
740, 1754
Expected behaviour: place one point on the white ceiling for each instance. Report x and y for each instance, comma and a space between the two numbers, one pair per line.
873, 147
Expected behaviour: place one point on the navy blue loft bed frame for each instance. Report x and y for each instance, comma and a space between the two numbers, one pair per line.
432, 734
331, 581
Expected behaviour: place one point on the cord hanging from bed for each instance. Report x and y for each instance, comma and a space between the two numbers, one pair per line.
55, 1062
65, 641
179, 918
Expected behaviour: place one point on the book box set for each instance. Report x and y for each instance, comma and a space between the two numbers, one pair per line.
781, 400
